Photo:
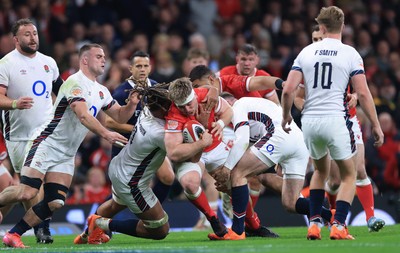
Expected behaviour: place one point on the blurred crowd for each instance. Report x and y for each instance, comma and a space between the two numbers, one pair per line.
167, 29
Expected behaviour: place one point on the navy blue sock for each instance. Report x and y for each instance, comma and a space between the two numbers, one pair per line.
20, 228
161, 190
303, 207
240, 199
127, 227
342, 209
316, 201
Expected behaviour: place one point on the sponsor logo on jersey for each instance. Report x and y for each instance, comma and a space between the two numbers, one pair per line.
22, 71
101, 94
46, 68
172, 124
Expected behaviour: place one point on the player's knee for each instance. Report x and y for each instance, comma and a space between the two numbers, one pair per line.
237, 174
254, 183
190, 185
289, 205
167, 178
29, 188
160, 228
54, 195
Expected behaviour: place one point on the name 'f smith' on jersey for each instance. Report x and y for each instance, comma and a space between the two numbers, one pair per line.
327, 67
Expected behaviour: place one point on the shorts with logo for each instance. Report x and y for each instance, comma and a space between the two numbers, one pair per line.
122, 194
139, 198
333, 134
45, 158
288, 150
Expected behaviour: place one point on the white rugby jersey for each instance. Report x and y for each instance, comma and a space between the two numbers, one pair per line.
252, 119
327, 67
139, 160
32, 77
65, 132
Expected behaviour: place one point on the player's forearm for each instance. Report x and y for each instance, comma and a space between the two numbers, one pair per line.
257, 83
92, 124
287, 102
118, 127
368, 106
125, 113
185, 151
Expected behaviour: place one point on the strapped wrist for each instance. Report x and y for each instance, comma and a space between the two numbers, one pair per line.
279, 84
221, 123
14, 104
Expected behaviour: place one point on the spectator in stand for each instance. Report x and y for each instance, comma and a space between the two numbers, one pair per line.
73, 66
195, 57
95, 190
101, 157
165, 70
378, 158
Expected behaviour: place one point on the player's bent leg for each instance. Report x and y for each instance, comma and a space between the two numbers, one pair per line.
153, 224
254, 189
189, 176
272, 182
332, 184
248, 165
109, 208
292, 185
5, 181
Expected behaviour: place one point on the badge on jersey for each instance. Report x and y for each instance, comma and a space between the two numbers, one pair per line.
76, 92
101, 94
172, 124
46, 68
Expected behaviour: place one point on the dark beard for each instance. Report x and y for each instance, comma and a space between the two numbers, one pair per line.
28, 50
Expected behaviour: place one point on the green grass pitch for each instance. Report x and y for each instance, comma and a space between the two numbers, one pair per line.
292, 240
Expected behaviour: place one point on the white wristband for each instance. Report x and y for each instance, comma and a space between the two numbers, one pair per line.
221, 123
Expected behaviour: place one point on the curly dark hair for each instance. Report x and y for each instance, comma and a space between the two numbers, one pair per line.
154, 97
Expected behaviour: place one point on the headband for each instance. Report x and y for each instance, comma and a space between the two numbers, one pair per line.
187, 100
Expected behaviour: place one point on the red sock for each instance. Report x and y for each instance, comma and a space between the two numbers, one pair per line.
366, 197
202, 204
252, 221
331, 200
254, 199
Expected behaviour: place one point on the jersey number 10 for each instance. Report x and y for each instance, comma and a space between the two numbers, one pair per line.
326, 75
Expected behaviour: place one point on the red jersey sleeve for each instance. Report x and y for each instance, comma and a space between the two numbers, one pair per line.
237, 86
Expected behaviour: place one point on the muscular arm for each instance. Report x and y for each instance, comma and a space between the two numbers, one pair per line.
291, 84
367, 104
81, 110
177, 151
225, 113
7, 103
299, 99
118, 127
122, 114
257, 83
